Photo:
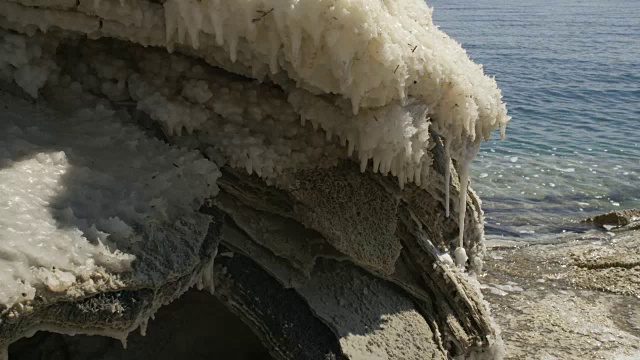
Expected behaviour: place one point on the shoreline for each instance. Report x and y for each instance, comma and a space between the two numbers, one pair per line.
572, 296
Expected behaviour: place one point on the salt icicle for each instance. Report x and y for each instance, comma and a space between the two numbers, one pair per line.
296, 42
233, 47
274, 48
143, 327
216, 20
193, 21
171, 20
447, 173
460, 253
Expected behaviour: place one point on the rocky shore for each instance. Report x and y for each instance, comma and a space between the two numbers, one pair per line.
571, 296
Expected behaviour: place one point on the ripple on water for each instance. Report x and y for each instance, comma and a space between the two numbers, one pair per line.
570, 73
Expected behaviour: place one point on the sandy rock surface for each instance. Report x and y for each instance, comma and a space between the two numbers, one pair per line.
575, 296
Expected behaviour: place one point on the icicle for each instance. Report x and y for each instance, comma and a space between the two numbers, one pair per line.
376, 163
418, 176
328, 135
401, 94
425, 171
274, 48
447, 172
394, 167
296, 40
139, 17
363, 162
383, 164
503, 129
464, 184
460, 253
387, 164
171, 20
355, 104
216, 21
192, 20
461, 256
182, 31
143, 327
205, 279
233, 47
123, 341
249, 23
351, 147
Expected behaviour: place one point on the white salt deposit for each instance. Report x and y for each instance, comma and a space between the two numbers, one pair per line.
445, 258
494, 290
79, 194
447, 173
370, 52
22, 62
509, 287
376, 75
461, 256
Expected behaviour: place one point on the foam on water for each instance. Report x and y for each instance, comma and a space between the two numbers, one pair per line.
571, 75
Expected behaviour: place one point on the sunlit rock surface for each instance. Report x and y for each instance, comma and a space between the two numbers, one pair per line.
574, 296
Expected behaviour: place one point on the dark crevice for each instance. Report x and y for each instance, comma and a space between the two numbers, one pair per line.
196, 326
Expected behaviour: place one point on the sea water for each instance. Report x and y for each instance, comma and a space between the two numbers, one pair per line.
570, 72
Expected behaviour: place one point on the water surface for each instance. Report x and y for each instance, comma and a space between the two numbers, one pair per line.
570, 73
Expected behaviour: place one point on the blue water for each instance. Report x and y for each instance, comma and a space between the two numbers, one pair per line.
570, 73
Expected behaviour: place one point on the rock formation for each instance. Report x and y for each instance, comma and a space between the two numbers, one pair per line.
572, 295
234, 165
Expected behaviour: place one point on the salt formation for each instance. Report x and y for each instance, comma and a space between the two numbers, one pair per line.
384, 56
79, 219
385, 86
388, 60
75, 237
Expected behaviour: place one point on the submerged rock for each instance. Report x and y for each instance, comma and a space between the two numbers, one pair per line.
615, 218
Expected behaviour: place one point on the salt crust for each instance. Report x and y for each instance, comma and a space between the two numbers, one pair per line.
73, 213
386, 59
